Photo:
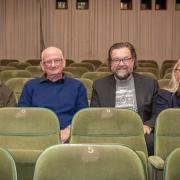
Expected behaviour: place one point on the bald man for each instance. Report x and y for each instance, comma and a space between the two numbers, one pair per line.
64, 95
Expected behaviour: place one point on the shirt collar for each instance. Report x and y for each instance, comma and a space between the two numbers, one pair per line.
44, 79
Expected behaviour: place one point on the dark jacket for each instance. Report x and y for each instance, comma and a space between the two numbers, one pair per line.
146, 90
7, 97
166, 99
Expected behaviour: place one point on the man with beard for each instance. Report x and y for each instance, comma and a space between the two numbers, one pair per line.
127, 89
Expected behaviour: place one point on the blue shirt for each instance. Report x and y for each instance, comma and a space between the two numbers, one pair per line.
65, 97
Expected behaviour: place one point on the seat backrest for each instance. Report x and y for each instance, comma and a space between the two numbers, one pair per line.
16, 85
108, 126
95, 62
69, 61
7, 166
28, 128
89, 162
25, 133
19, 65
76, 71
155, 71
103, 69
88, 85
34, 62
4, 62
167, 76
87, 65
149, 74
95, 75
35, 71
172, 165
167, 132
163, 83
8, 74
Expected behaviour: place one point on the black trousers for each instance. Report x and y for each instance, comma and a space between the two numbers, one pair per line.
150, 143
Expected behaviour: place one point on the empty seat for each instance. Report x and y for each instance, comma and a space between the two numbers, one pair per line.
76, 71
155, 71
7, 166
103, 69
34, 62
16, 85
89, 66
89, 162
172, 166
163, 83
8, 74
4, 62
95, 75
35, 71
95, 62
167, 139
149, 74
88, 85
69, 61
19, 65
108, 126
25, 133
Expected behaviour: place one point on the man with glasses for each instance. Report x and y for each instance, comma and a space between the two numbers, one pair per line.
65, 96
127, 89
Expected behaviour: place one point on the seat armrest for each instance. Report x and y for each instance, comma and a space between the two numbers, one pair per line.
157, 162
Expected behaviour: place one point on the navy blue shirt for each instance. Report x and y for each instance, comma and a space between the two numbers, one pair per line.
65, 97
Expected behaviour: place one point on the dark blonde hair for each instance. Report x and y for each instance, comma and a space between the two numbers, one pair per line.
174, 82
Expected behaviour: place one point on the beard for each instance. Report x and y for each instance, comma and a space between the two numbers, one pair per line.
123, 73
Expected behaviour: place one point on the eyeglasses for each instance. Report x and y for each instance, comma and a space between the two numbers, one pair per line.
177, 70
55, 61
125, 60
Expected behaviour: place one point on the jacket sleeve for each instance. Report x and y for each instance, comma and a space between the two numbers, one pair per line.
151, 122
95, 98
161, 102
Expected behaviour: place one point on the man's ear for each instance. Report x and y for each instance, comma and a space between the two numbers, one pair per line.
42, 66
64, 63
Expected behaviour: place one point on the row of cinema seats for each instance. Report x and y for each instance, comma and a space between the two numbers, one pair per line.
149, 67
97, 148
16, 84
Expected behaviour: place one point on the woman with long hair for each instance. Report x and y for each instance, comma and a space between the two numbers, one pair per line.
169, 97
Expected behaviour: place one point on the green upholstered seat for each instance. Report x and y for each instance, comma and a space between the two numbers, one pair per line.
155, 71
95, 75
149, 74
25, 133
88, 85
95, 62
8, 74
16, 85
103, 69
7, 166
19, 65
163, 83
34, 62
172, 166
108, 126
69, 61
89, 162
5, 62
76, 71
167, 138
87, 65
35, 71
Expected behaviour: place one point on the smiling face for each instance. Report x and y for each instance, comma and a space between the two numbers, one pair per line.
52, 62
122, 63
